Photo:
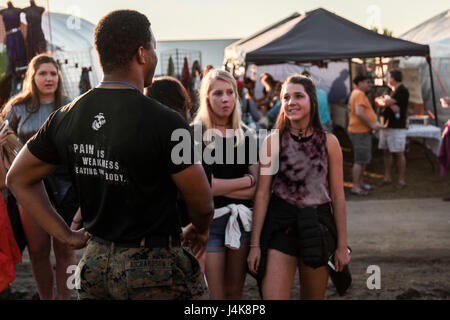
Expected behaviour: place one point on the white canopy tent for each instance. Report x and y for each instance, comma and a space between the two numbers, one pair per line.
72, 42
436, 33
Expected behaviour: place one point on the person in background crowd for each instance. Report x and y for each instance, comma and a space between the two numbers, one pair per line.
299, 214
250, 112
250, 86
325, 117
324, 111
444, 151
206, 70
10, 252
196, 79
275, 108
338, 91
393, 135
129, 185
233, 183
171, 92
26, 112
269, 91
362, 122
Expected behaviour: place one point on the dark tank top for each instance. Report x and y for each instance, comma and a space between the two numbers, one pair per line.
302, 179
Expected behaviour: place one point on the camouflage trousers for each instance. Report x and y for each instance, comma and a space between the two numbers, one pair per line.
108, 272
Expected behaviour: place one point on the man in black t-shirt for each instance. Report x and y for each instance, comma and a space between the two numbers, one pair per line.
393, 135
117, 146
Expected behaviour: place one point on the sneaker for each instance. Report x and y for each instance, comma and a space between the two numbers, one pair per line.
359, 193
383, 183
401, 185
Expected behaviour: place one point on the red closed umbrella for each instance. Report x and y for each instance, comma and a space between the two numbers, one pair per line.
186, 75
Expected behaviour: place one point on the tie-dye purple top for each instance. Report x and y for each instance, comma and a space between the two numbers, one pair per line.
302, 179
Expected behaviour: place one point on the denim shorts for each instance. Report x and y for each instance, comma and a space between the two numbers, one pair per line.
216, 242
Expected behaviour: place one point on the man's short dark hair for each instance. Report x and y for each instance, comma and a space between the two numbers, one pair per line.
360, 78
119, 35
396, 75
306, 73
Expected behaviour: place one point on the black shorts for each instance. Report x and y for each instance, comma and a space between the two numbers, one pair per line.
288, 239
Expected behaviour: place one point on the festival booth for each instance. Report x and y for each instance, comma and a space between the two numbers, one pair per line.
436, 33
324, 44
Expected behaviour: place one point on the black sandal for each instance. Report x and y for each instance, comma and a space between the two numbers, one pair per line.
384, 183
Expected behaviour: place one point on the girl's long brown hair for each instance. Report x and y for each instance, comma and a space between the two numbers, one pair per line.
283, 122
30, 92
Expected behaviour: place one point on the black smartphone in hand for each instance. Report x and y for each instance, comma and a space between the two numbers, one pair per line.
331, 259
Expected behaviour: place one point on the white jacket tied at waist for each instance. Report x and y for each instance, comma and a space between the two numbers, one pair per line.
232, 231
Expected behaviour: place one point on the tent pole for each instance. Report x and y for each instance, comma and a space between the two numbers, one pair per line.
350, 73
432, 90
50, 25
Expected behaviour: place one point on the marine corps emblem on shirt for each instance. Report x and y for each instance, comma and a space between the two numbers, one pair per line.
98, 122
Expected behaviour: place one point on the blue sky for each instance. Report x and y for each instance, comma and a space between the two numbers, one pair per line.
212, 19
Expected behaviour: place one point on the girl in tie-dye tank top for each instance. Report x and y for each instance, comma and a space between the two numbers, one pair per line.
300, 172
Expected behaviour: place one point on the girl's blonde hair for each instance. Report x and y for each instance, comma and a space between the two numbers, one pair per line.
205, 113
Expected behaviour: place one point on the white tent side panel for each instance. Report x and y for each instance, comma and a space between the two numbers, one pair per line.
441, 63
72, 41
324, 78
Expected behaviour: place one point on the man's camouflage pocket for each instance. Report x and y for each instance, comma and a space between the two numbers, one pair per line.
193, 269
149, 273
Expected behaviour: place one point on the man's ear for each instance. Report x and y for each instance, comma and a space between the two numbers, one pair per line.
140, 55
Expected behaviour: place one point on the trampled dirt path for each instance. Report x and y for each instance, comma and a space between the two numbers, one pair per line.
406, 233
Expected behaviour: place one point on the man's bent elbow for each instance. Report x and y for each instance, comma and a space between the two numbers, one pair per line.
203, 216
208, 210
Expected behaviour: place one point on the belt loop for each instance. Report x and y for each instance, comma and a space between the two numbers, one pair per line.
143, 242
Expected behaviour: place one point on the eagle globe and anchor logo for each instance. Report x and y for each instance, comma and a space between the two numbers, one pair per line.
98, 122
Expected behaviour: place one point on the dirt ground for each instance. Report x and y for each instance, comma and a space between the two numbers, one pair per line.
406, 233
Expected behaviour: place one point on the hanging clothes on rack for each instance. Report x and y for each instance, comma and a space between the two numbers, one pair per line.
15, 44
36, 43
84, 84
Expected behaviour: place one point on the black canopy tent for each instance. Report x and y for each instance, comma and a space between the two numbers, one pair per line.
320, 35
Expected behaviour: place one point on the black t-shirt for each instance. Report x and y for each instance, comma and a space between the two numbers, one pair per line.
117, 146
401, 95
231, 166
